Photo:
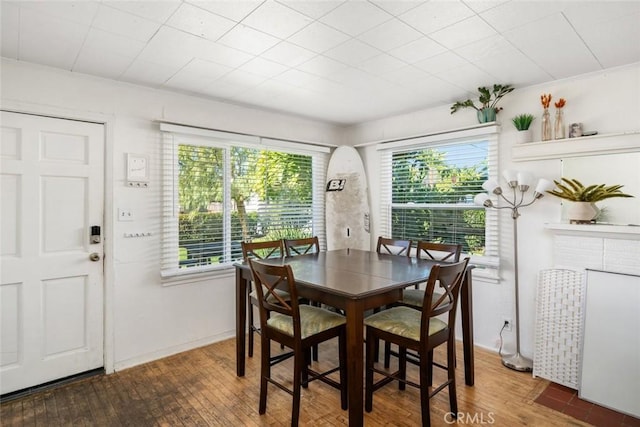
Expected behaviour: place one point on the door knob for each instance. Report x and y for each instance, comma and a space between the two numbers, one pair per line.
94, 257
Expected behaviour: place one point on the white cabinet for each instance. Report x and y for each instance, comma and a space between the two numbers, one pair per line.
610, 374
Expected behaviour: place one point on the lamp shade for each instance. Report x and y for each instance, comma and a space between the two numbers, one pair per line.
524, 178
490, 185
544, 185
510, 175
481, 199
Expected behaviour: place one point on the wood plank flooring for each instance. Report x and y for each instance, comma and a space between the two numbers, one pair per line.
200, 388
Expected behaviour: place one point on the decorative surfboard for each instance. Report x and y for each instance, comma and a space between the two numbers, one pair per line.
347, 201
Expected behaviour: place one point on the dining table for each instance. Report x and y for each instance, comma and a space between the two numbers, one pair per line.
354, 281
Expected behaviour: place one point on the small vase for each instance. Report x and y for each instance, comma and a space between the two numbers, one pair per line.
546, 126
523, 136
558, 130
486, 115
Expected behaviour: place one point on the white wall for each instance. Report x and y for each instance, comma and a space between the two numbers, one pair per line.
608, 102
146, 320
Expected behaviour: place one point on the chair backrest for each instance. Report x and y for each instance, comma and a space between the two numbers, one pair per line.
393, 246
262, 250
272, 277
309, 245
442, 291
438, 251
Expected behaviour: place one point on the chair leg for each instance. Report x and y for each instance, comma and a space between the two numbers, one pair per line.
299, 365
425, 384
430, 368
342, 351
251, 328
265, 372
451, 374
402, 364
368, 379
387, 354
305, 368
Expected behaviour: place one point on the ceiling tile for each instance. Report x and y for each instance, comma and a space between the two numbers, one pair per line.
553, 44
600, 37
521, 71
439, 63
148, 73
101, 63
318, 37
389, 35
124, 24
171, 48
417, 50
49, 41
435, 15
248, 40
10, 31
355, 17
263, 67
157, 11
464, 32
234, 83
102, 41
235, 10
514, 14
395, 7
352, 52
482, 5
406, 76
276, 19
303, 80
467, 76
314, 8
211, 51
288, 54
80, 12
196, 75
200, 22
322, 66
381, 64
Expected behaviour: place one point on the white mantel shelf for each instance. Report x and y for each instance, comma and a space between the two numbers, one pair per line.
624, 142
611, 231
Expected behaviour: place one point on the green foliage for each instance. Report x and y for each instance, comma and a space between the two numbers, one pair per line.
522, 121
488, 98
574, 190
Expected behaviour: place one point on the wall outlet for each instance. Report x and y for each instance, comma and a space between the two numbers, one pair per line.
507, 323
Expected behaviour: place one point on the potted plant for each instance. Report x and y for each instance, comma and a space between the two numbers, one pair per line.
583, 209
522, 123
488, 99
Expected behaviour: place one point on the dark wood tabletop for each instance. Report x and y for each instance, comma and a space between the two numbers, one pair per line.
354, 281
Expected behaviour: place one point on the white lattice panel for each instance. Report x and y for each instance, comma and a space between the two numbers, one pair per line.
559, 323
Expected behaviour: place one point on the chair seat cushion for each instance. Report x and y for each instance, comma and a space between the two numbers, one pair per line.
414, 297
313, 320
403, 321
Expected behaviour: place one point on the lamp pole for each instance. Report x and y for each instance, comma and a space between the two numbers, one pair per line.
518, 182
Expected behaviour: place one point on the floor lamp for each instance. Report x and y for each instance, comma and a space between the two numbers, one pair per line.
519, 183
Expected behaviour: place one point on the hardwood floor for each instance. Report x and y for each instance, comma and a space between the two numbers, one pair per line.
200, 388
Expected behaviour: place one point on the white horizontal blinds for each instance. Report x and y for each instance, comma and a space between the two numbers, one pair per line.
220, 192
432, 194
427, 190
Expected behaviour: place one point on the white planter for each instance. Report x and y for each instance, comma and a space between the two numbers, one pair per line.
582, 212
523, 136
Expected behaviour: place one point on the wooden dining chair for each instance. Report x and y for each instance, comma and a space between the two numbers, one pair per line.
298, 327
421, 331
442, 252
259, 250
393, 246
308, 245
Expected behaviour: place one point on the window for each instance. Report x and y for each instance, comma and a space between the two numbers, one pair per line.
221, 189
428, 185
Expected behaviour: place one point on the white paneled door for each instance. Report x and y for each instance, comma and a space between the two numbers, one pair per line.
51, 288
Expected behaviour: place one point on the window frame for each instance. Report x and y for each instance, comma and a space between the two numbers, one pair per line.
487, 264
175, 135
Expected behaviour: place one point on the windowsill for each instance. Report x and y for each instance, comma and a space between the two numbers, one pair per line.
199, 276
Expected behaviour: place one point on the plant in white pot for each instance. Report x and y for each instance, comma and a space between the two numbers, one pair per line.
583, 209
488, 98
522, 123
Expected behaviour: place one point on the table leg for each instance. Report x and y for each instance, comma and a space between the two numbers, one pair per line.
355, 362
467, 328
241, 320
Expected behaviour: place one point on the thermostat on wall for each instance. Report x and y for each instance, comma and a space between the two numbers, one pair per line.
137, 170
